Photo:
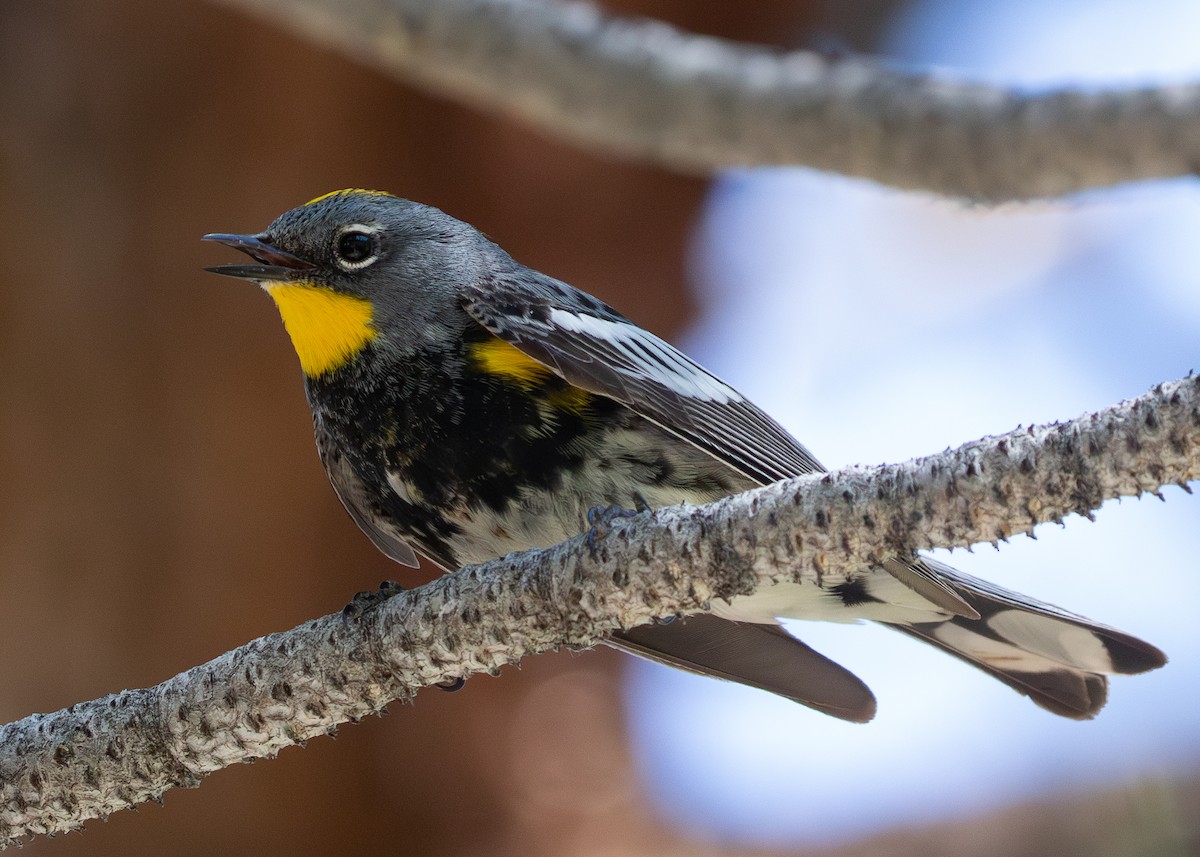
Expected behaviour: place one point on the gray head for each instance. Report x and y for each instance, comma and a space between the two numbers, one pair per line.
358, 266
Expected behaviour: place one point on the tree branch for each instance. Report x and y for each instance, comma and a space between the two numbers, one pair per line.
91, 759
647, 91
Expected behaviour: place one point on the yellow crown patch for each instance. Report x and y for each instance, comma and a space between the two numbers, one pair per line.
349, 191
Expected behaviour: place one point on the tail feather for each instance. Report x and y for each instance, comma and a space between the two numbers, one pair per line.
1056, 658
762, 656
1050, 631
1065, 691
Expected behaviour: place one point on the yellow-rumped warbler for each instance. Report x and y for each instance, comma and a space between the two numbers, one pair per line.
466, 406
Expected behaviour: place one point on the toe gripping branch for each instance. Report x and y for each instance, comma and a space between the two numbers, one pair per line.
601, 518
369, 599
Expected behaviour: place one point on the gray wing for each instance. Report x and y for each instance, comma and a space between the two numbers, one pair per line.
357, 500
1056, 658
592, 346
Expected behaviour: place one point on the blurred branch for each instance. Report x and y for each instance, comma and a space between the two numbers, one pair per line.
91, 759
645, 90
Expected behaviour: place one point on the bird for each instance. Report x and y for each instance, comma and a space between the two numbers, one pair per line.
466, 406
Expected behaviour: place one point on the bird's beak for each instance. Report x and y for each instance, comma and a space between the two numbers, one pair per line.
275, 264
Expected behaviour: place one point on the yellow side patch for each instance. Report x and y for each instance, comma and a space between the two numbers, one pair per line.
497, 357
570, 398
349, 191
328, 329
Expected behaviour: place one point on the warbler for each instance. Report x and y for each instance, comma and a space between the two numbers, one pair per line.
466, 406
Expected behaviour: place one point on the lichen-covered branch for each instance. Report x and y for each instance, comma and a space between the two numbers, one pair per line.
89, 760
648, 91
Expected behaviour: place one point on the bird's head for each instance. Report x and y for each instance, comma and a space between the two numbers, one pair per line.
356, 267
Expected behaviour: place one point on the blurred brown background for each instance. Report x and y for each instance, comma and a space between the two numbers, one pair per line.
162, 501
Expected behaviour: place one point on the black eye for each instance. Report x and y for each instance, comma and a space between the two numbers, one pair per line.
355, 248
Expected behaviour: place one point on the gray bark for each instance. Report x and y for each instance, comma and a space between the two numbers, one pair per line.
94, 758
650, 92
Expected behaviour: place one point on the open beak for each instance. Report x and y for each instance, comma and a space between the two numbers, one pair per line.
274, 264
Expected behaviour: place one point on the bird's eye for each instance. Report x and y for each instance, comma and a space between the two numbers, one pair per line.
355, 248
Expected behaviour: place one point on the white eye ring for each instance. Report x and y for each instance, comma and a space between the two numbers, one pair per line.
348, 246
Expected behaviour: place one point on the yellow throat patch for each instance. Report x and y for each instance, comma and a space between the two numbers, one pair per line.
328, 329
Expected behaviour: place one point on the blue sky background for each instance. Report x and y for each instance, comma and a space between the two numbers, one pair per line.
879, 326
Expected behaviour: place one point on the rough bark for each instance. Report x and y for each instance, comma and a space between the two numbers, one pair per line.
89, 760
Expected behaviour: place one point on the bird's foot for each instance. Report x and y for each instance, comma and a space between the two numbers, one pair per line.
369, 599
600, 520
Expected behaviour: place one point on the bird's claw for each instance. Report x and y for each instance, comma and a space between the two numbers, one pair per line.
369, 599
601, 518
